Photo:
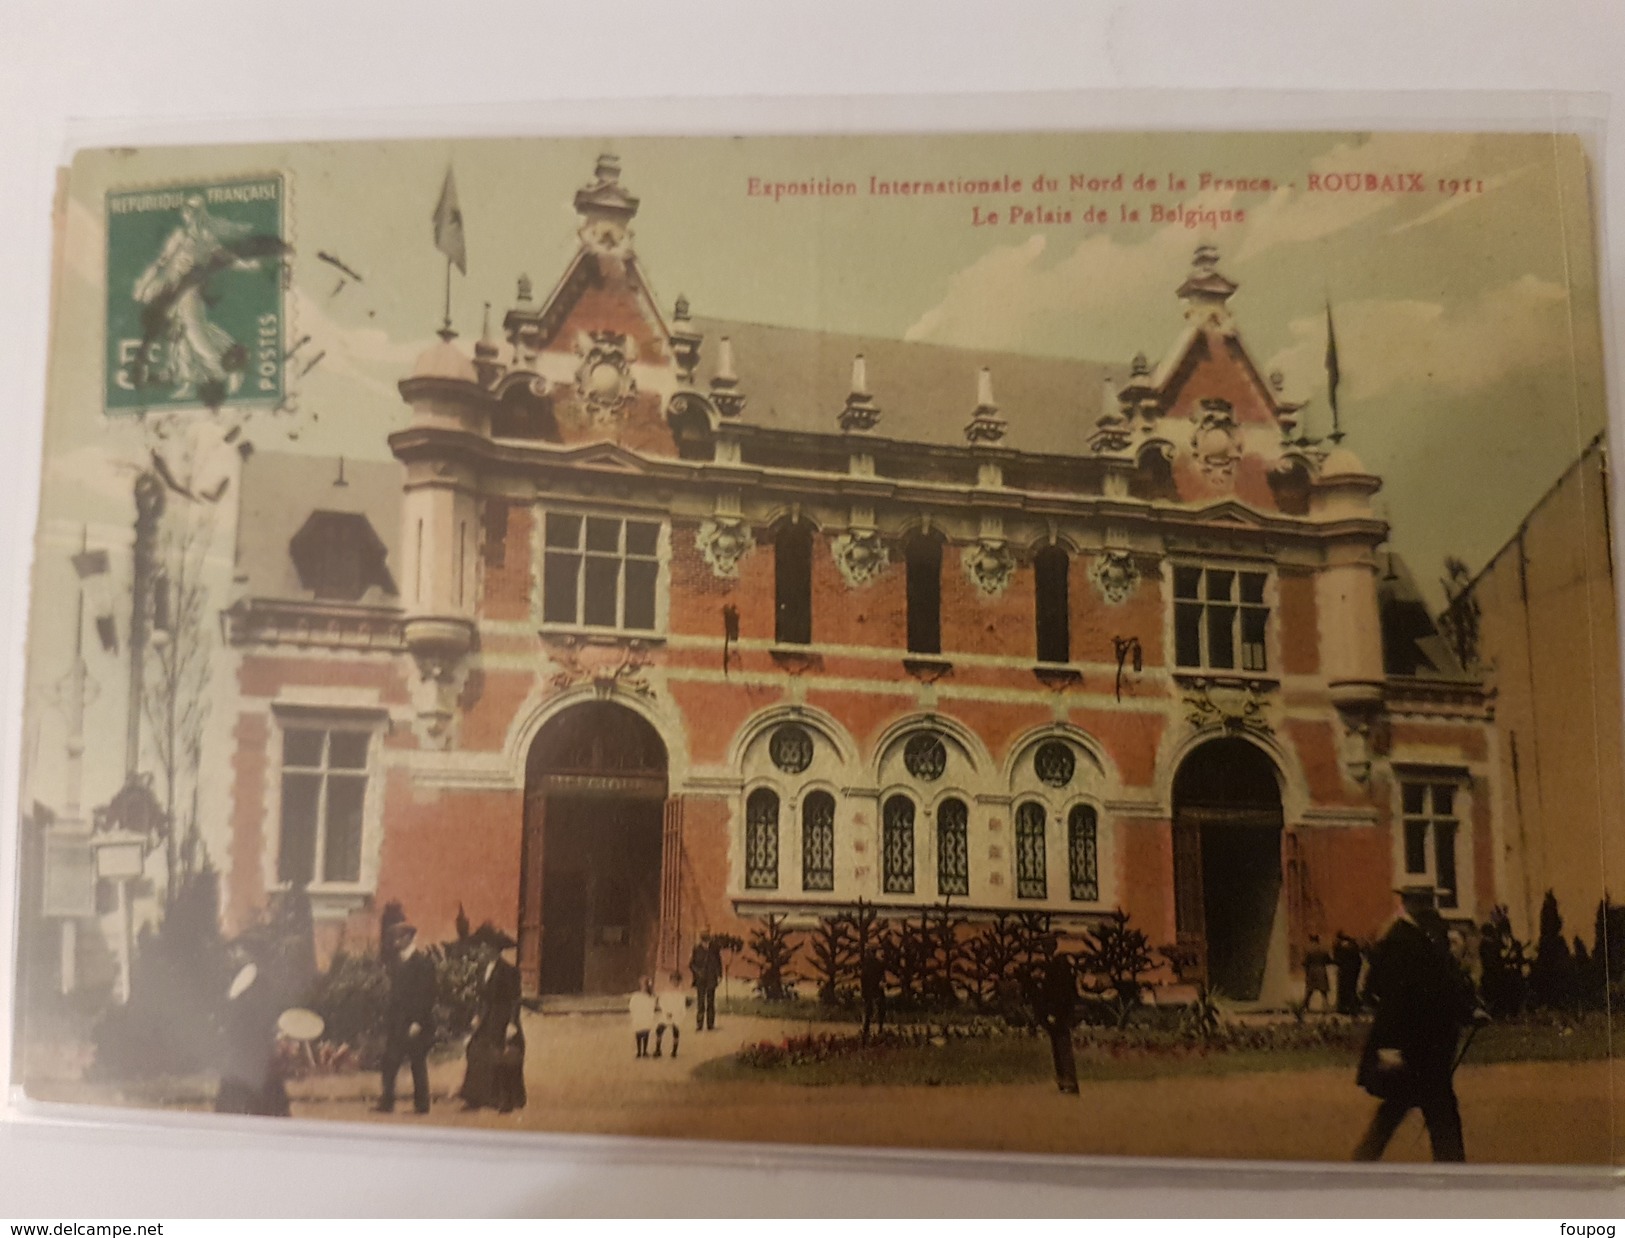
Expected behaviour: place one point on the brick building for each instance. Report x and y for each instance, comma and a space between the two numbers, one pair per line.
664, 623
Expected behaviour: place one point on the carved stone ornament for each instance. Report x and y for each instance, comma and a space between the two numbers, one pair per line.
860, 555
606, 667
1115, 575
723, 541
990, 565
1365, 737
435, 689
1216, 442
1233, 709
604, 381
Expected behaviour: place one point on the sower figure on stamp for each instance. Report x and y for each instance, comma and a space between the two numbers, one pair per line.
1422, 1001
1057, 1011
408, 1019
705, 968
495, 1074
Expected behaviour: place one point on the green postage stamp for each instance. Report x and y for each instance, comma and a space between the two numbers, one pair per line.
194, 295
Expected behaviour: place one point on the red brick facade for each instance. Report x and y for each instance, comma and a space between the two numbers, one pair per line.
1189, 469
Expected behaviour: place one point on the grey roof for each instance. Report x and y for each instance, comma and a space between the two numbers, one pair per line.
798, 379
280, 491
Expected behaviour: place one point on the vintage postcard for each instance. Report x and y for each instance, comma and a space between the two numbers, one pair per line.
1078, 643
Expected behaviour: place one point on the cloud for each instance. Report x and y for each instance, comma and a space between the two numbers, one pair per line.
1009, 296
1293, 216
1389, 346
1491, 184
367, 356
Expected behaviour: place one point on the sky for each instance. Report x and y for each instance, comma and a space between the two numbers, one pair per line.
1468, 333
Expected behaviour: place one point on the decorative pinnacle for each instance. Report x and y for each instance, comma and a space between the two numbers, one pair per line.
679, 311
725, 393
1142, 367
1277, 381
861, 412
524, 288
985, 425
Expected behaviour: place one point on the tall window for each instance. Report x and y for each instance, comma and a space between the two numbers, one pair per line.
792, 585
324, 793
1431, 829
1050, 584
1083, 872
953, 848
600, 572
1220, 618
818, 841
1032, 881
762, 840
897, 846
924, 554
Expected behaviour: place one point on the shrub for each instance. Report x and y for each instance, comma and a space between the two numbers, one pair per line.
774, 949
1553, 983
1503, 967
1116, 961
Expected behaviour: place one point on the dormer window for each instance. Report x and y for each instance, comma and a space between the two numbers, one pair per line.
339, 556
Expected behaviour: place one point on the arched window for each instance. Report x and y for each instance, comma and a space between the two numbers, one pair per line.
792, 584
1082, 868
897, 845
762, 840
1031, 879
924, 555
1050, 585
953, 848
818, 841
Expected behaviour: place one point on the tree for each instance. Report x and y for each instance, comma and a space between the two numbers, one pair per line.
1553, 983
1461, 616
1116, 960
774, 948
175, 698
1503, 966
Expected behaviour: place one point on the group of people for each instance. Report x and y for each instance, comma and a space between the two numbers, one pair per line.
494, 1072
657, 1013
1421, 996
1347, 958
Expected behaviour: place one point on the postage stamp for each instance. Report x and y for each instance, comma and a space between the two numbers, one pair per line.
194, 294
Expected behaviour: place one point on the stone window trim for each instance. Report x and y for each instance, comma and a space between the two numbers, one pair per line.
329, 898
1223, 617
1433, 832
762, 843
550, 618
1030, 837
899, 836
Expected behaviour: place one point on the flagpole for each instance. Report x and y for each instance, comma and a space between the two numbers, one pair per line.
445, 328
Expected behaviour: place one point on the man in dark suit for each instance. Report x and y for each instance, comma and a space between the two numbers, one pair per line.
1422, 1001
1057, 1011
872, 988
408, 1019
705, 967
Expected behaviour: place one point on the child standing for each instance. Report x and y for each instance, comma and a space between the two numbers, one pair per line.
642, 1008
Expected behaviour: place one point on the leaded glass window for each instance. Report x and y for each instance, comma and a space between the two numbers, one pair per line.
953, 848
791, 748
925, 756
762, 840
1031, 878
818, 841
897, 845
1082, 866
1054, 763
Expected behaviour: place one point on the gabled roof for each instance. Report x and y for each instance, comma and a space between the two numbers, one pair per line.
280, 491
798, 379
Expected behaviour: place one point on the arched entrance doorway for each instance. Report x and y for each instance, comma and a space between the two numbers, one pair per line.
1227, 867
589, 898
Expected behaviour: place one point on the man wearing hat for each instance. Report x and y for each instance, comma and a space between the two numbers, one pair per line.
408, 1018
1056, 1007
1422, 1001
